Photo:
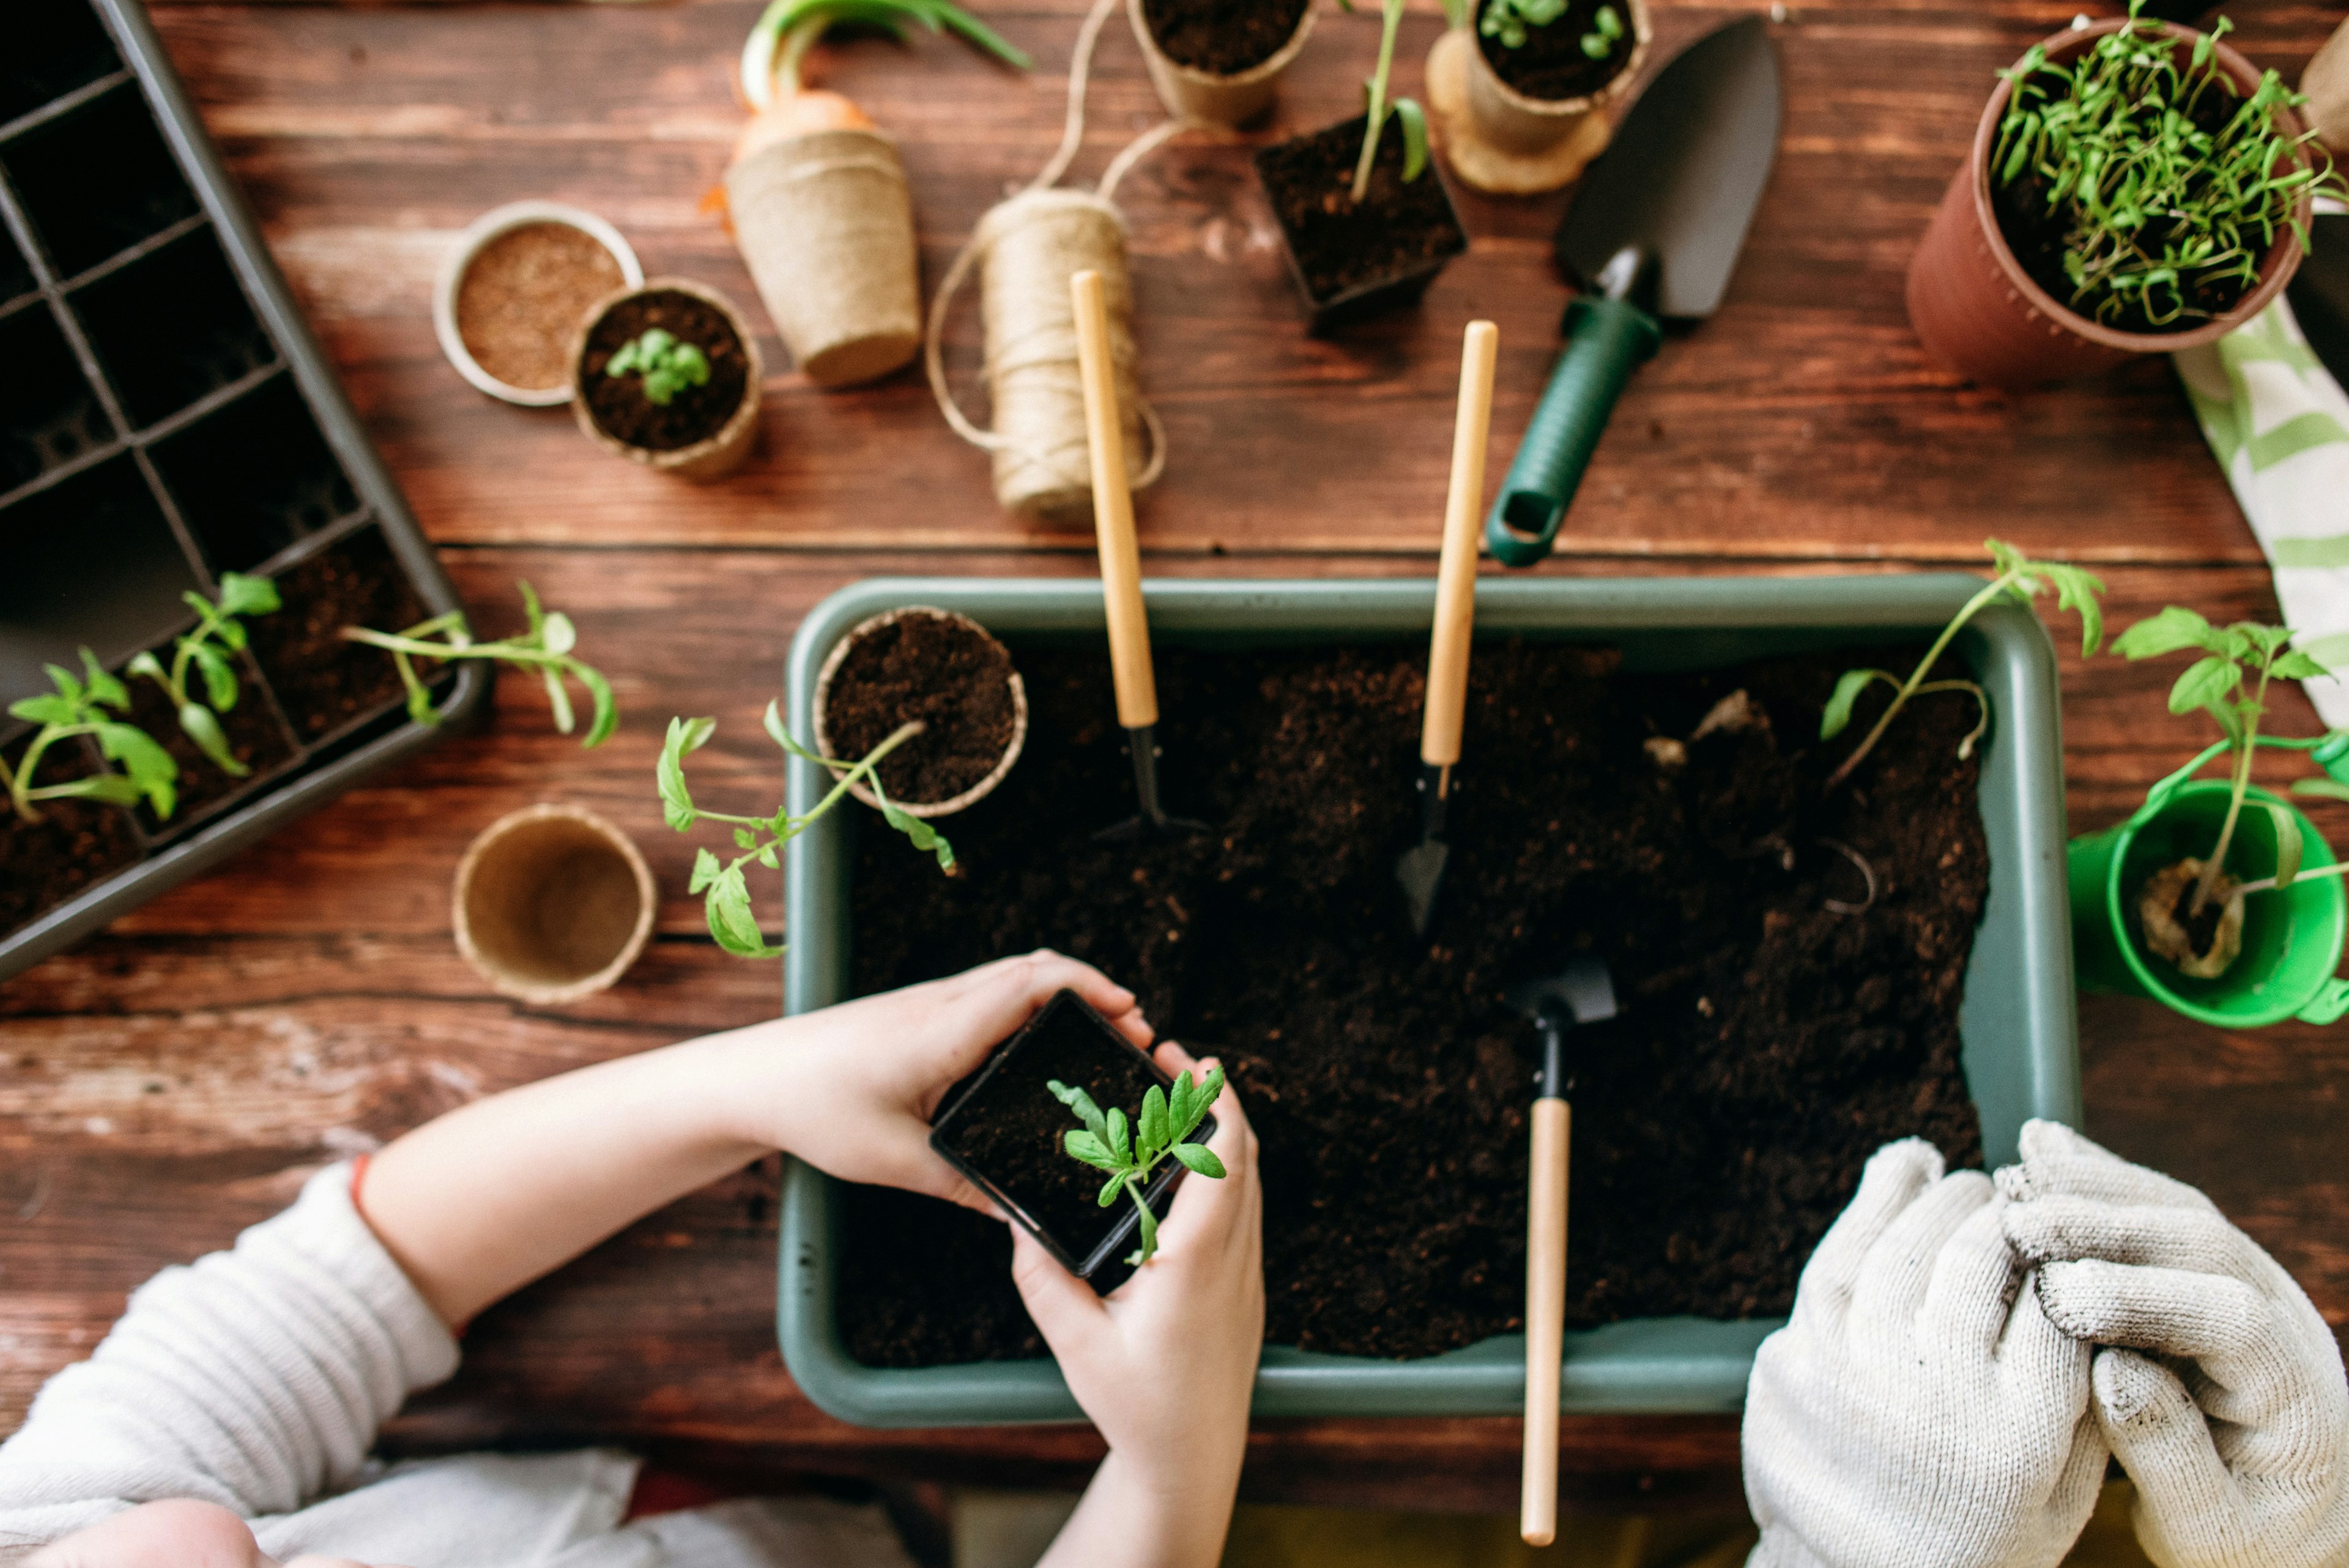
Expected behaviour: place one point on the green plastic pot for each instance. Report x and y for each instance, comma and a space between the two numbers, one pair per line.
2292, 937
2020, 1052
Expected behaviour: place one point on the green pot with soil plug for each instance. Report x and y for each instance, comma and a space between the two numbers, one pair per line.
1234, 658
1214, 61
1522, 88
1365, 218
667, 375
2201, 178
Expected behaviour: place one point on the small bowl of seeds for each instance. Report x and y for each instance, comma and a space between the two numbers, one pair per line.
509, 298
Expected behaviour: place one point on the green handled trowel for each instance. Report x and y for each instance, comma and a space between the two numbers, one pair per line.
1652, 234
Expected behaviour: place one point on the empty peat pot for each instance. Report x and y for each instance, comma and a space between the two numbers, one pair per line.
553, 904
703, 430
937, 667
1006, 1132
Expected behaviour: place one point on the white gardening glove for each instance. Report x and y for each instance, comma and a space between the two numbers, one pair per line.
1919, 1410
2238, 1454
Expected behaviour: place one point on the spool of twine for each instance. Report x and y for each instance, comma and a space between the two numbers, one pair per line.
826, 223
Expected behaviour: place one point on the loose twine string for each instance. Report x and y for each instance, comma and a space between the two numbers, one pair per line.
1030, 364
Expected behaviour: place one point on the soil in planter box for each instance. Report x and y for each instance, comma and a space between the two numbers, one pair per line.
618, 404
76, 842
941, 672
1767, 1045
256, 738
323, 683
1550, 64
1398, 228
1221, 36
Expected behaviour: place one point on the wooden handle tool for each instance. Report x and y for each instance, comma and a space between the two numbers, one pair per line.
1121, 556
1553, 1123
1455, 573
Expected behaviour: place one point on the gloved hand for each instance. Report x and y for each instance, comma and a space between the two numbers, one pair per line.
1919, 1410
2241, 1455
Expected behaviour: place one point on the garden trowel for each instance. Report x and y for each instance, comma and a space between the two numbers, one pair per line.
1652, 234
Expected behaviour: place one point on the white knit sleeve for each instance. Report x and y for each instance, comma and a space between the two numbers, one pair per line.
254, 1378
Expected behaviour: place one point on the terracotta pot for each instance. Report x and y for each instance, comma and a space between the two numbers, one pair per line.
718, 455
1978, 312
1190, 93
1525, 128
553, 904
862, 792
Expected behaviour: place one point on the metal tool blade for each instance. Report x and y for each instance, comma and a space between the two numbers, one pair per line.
2320, 293
1582, 991
1421, 871
1684, 172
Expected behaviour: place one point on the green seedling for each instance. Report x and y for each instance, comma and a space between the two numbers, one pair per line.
2018, 579
1130, 1153
727, 895
545, 647
775, 53
665, 364
78, 707
1406, 111
209, 650
2159, 206
1511, 21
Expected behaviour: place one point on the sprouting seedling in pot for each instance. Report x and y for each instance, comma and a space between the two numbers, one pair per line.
545, 647
79, 707
2018, 578
1130, 1152
1407, 113
1510, 22
663, 363
1606, 32
209, 650
727, 894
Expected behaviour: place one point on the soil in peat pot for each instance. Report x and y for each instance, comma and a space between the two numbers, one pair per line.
323, 683
1397, 229
43, 863
618, 404
1221, 36
522, 297
256, 738
956, 681
1550, 64
1767, 1045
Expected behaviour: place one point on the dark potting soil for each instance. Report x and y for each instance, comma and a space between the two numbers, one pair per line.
956, 681
1550, 65
618, 404
2201, 929
1011, 1129
1767, 1045
256, 738
322, 681
1398, 229
76, 842
1224, 37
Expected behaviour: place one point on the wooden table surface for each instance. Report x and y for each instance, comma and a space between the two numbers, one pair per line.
174, 1079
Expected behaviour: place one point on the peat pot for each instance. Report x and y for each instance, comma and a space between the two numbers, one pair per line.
1215, 98
705, 432
951, 661
1978, 311
1510, 143
553, 904
2020, 1043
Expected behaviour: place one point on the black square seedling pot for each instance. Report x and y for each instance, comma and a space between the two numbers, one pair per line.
169, 419
1005, 1131
1306, 163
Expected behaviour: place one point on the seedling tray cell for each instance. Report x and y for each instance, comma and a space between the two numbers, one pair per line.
168, 418
2020, 1050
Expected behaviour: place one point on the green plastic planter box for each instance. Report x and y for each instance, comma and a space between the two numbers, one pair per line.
2021, 1044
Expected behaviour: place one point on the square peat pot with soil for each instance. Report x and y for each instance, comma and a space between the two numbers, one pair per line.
1805, 971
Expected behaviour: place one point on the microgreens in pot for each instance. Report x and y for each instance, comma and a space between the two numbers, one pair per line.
2018, 578
209, 650
727, 894
79, 707
545, 646
1407, 113
1509, 21
1130, 1152
664, 364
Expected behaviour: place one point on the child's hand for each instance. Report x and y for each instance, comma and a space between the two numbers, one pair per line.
852, 1089
1165, 1366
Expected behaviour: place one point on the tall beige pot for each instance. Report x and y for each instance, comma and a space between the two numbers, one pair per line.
1211, 99
825, 221
2326, 83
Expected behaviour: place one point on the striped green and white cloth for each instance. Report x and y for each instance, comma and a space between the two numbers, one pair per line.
2279, 424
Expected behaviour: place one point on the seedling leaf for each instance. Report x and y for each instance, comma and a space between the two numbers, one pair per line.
706, 871
1152, 1122
2289, 847
2207, 680
1201, 1159
2295, 665
1847, 688
2175, 627
2325, 789
203, 729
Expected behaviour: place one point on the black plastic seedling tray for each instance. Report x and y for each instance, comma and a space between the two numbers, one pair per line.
167, 417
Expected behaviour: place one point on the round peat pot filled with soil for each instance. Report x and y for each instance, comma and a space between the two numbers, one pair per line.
943, 670
2289, 940
1215, 61
509, 298
2014, 290
668, 376
553, 904
1353, 258
1522, 102
1008, 1132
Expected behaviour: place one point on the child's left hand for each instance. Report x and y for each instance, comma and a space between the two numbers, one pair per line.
852, 1089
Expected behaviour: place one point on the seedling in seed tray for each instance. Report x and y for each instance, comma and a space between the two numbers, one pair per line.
78, 707
1405, 110
209, 648
545, 647
1130, 1152
727, 895
665, 364
2018, 579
